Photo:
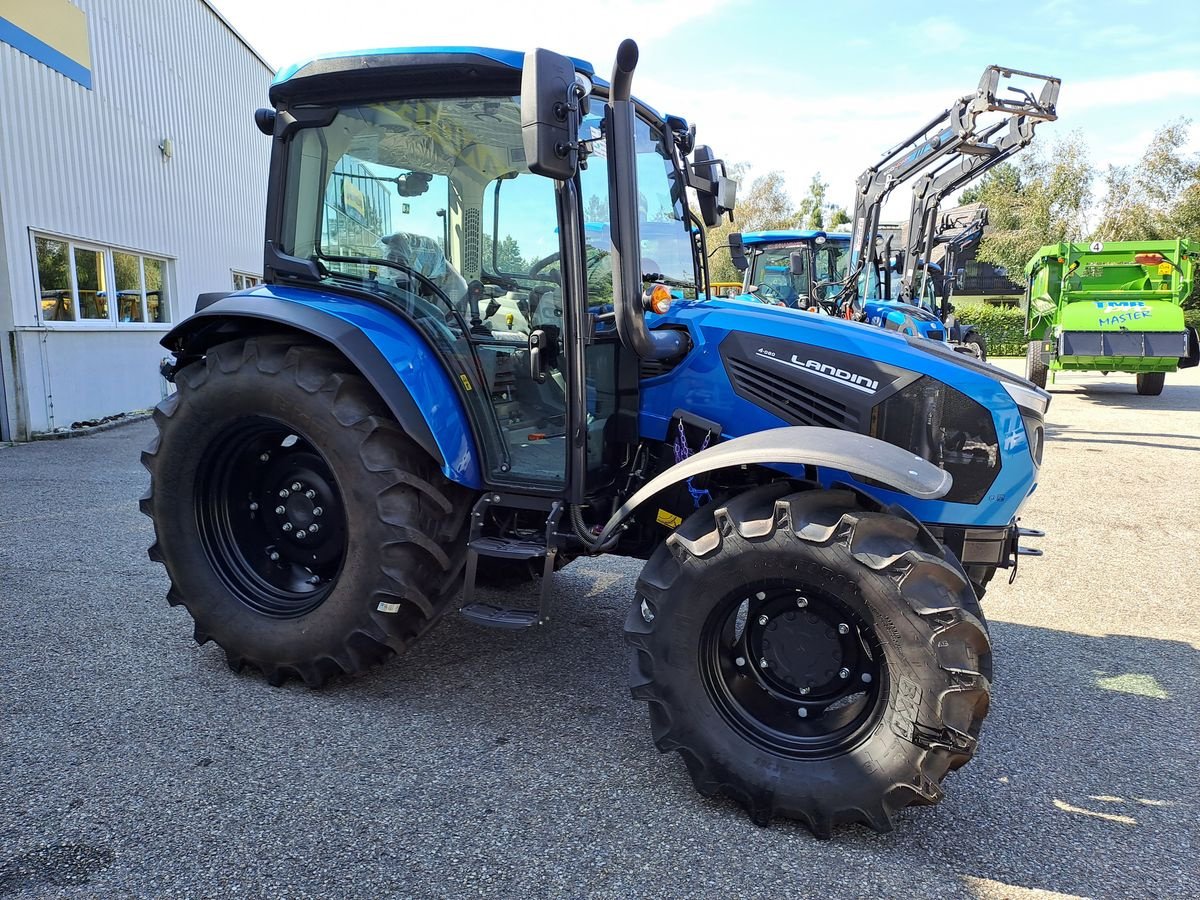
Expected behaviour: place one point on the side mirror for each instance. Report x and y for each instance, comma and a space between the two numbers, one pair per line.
716, 194
551, 97
265, 120
796, 263
737, 252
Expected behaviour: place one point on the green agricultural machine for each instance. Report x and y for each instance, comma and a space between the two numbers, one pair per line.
1110, 307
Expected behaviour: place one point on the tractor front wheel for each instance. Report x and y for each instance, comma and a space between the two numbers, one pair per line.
810, 655
306, 534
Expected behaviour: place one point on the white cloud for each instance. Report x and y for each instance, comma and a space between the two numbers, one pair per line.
1143, 88
286, 31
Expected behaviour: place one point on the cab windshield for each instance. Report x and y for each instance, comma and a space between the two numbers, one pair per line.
771, 278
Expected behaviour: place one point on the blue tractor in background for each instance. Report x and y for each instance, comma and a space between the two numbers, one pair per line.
803, 270
513, 362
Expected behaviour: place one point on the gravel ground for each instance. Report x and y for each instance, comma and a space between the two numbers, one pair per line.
133, 763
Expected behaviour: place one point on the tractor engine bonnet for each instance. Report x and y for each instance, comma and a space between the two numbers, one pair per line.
807, 384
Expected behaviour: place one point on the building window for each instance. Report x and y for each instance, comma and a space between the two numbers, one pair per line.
92, 284
244, 281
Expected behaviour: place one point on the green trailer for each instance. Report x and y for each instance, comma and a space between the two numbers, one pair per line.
1114, 306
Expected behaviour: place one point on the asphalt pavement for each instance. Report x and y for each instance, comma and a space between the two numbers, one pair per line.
135, 764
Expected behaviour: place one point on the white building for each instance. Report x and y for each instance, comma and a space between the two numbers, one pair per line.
132, 178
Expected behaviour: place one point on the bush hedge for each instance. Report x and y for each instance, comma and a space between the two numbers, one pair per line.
1003, 327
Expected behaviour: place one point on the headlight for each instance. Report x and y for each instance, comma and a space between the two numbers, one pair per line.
1032, 403
946, 427
1030, 398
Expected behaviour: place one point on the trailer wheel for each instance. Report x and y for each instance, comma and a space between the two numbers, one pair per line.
1035, 365
304, 532
811, 656
1150, 384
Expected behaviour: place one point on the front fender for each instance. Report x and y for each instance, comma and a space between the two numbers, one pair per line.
847, 451
389, 351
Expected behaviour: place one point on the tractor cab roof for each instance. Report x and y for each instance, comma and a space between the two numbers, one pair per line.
774, 237
474, 63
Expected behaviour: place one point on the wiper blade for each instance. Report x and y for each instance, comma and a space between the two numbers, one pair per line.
668, 280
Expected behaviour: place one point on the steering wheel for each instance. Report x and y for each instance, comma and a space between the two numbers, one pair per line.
535, 270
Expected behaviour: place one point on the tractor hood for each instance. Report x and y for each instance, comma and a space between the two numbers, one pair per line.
754, 367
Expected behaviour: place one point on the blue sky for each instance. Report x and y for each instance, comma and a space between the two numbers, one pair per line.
805, 87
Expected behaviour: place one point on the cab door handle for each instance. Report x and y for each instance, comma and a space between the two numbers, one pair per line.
538, 343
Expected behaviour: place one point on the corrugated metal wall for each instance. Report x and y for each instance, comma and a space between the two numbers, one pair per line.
87, 164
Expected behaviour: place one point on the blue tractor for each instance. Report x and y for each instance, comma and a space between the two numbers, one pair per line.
498, 364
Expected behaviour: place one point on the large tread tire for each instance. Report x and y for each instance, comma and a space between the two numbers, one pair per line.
896, 577
1035, 366
1150, 384
405, 544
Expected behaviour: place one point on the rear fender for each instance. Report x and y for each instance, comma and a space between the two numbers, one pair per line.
389, 351
829, 448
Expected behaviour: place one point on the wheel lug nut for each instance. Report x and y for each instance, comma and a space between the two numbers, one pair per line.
284, 492
762, 663
866, 677
310, 494
317, 511
843, 673
314, 528
804, 691
253, 507
802, 602
802, 713
280, 510
301, 534
274, 556
296, 485
741, 661
287, 526
843, 628
763, 620
264, 457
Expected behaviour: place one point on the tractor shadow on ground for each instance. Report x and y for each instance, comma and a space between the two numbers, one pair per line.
1174, 398
1066, 434
1088, 752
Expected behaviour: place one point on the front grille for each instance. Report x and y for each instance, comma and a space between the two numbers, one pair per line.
792, 402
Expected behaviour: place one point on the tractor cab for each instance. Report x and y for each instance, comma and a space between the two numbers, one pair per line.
430, 203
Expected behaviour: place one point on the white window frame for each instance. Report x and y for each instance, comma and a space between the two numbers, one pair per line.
249, 279
112, 322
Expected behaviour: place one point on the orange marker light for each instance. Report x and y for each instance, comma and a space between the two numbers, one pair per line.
659, 299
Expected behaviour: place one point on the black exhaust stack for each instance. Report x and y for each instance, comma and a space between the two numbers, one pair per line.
623, 206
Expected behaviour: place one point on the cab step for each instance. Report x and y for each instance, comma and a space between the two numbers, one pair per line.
491, 615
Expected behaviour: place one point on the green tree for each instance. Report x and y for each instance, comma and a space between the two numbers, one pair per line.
812, 208
1040, 199
1159, 197
508, 255
764, 206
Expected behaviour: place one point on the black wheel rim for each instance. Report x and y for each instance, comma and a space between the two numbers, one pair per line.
271, 517
794, 669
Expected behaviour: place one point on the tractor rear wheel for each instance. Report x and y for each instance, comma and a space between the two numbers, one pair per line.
810, 655
302, 529
1150, 384
1035, 365
977, 344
